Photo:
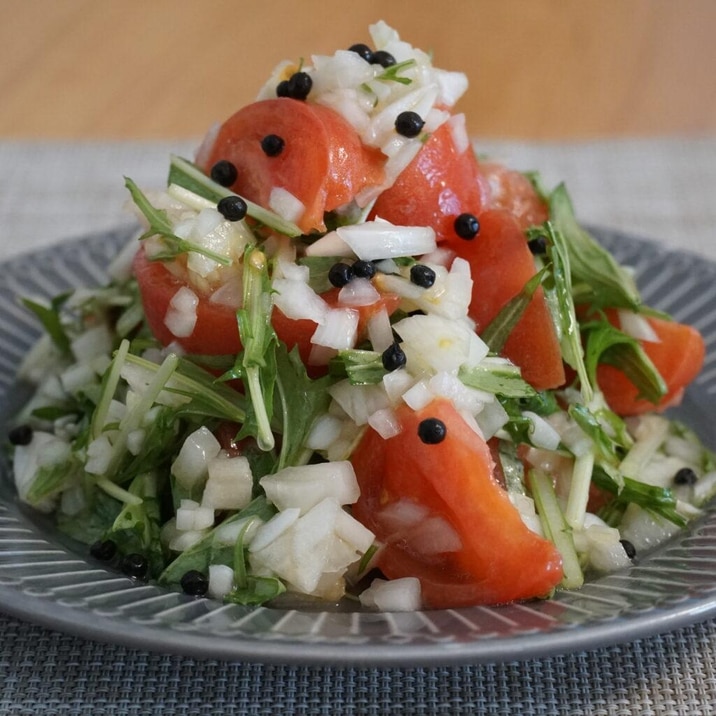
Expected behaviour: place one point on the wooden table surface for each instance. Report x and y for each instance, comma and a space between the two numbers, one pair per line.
537, 68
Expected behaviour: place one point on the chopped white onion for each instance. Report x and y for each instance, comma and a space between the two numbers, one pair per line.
637, 326
382, 240
180, 317
338, 330
358, 292
396, 595
285, 204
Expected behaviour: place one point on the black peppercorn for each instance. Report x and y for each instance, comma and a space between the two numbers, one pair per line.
383, 58
135, 566
685, 476
629, 548
363, 269
393, 357
340, 274
298, 86
422, 275
20, 435
409, 124
224, 172
194, 583
538, 245
467, 226
232, 208
272, 145
363, 51
103, 550
432, 431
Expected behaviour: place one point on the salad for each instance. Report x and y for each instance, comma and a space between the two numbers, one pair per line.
349, 359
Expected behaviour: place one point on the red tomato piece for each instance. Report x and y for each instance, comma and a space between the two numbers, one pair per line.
678, 356
497, 560
323, 162
216, 329
513, 191
437, 186
501, 264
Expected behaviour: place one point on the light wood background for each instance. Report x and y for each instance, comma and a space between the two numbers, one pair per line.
537, 68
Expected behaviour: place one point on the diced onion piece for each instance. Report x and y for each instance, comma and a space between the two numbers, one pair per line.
380, 239
543, 435
385, 422
359, 401
305, 486
285, 204
297, 300
221, 580
637, 326
338, 330
380, 332
325, 431
331, 244
180, 317
191, 464
229, 484
418, 396
396, 595
358, 292
274, 528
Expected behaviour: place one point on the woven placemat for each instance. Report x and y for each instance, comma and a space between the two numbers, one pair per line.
44, 672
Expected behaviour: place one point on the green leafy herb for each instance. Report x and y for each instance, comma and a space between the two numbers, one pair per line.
607, 344
51, 319
361, 367
498, 378
160, 225
300, 401
185, 174
498, 330
597, 278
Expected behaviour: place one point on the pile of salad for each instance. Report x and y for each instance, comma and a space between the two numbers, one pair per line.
347, 359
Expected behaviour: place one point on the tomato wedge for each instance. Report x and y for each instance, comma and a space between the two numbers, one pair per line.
496, 558
323, 162
678, 356
216, 331
513, 191
501, 264
437, 186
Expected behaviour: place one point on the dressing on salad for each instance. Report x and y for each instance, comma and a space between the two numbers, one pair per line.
348, 359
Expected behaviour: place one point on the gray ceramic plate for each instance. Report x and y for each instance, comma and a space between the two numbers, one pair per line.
46, 579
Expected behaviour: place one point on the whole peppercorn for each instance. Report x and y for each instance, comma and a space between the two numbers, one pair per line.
103, 550
363, 269
20, 435
298, 86
685, 476
467, 226
409, 124
135, 565
194, 583
422, 275
393, 357
538, 245
224, 172
383, 58
232, 208
340, 274
363, 51
272, 145
629, 548
432, 431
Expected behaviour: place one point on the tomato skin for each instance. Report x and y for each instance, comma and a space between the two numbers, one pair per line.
438, 185
501, 264
678, 356
323, 162
500, 560
512, 191
216, 329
